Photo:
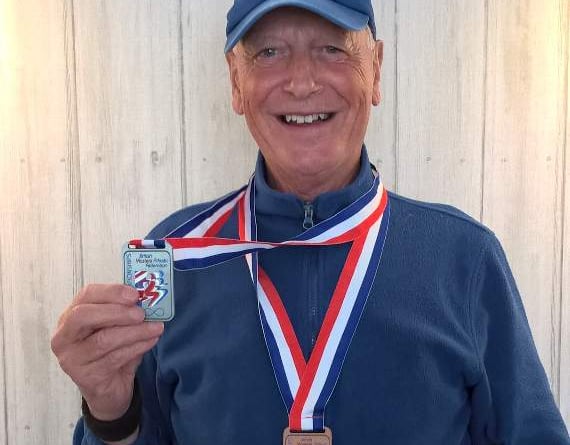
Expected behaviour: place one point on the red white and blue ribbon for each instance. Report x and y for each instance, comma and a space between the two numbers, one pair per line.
305, 387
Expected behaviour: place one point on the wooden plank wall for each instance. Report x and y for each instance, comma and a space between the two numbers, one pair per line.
129, 110
115, 113
41, 256
441, 65
565, 284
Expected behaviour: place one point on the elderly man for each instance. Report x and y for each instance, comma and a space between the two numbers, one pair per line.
400, 318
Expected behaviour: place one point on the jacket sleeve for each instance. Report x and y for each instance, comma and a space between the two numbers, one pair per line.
512, 402
154, 429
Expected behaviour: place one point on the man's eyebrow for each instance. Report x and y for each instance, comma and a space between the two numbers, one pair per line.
257, 38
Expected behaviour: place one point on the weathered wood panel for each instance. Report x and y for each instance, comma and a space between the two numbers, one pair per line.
7, 83
524, 140
130, 111
220, 152
39, 234
441, 62
3, 221
381, 134
565, 288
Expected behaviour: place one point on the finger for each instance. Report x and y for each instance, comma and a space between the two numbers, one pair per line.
107, 293
84, 319
102, 294
119, 358
79, 355
105, 341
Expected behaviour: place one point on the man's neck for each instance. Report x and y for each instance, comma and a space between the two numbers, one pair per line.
308, 186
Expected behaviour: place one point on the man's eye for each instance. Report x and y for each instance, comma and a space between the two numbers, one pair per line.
330, 49
268, 52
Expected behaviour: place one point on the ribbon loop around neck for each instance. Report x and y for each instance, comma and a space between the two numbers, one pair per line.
305, 387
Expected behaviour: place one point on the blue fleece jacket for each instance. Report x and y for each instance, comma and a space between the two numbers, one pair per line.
443, 354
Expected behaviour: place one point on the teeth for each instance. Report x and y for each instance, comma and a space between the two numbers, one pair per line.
308, 119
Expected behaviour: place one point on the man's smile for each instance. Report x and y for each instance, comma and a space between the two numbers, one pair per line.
302, 119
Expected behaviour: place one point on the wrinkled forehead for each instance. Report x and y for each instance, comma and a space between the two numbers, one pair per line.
292, 21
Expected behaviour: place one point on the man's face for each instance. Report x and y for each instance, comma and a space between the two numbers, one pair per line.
306, 88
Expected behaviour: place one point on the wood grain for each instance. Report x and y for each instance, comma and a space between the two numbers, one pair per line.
4, 223
382, 128
565, 288
220, 152
7, 83
130, 114
523, 155
39, 235
441, 62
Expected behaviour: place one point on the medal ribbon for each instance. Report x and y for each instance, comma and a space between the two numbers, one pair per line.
304, 386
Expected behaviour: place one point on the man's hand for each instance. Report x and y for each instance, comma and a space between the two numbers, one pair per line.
99, 342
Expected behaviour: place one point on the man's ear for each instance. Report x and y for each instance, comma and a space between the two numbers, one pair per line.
237, 102
377, 66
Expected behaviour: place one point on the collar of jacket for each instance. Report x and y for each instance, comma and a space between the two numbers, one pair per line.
272, 202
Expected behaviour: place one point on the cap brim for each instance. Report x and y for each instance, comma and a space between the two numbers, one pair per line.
332, 11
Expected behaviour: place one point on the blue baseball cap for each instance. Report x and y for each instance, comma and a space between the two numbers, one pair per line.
348, 14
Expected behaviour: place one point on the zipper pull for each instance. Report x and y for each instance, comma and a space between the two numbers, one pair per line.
308, 221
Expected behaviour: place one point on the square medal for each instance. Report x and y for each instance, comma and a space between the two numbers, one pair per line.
150, 272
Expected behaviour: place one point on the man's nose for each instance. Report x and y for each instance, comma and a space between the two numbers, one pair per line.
302, 77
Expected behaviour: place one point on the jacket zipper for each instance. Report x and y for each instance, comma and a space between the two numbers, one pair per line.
308, 221
312, 282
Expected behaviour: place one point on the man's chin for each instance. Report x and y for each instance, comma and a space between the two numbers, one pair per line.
306, 162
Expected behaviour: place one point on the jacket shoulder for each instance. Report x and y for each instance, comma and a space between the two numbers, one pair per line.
439, 228
433, 214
